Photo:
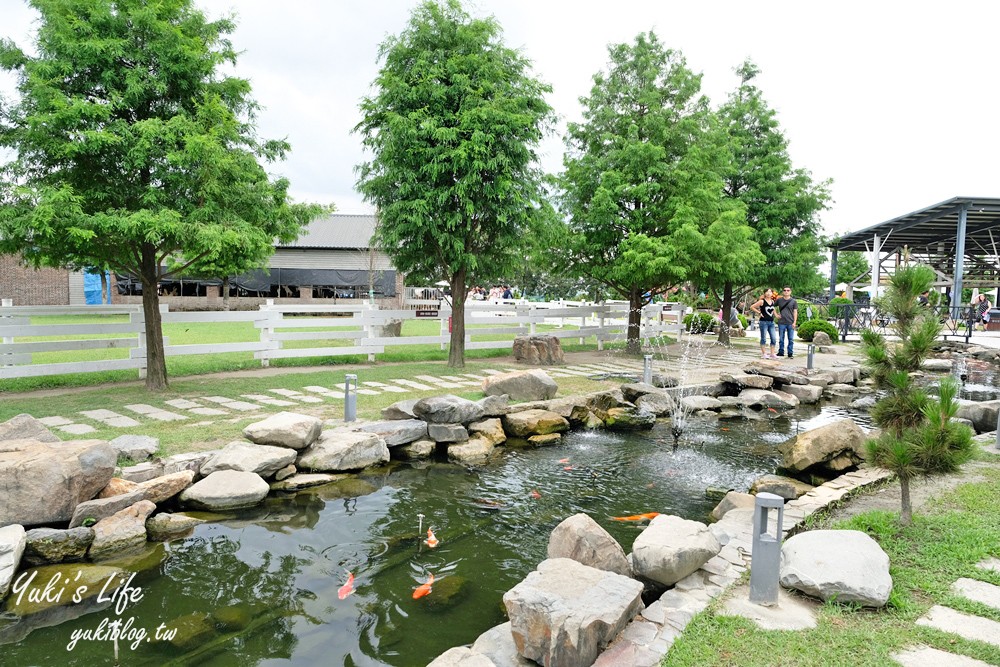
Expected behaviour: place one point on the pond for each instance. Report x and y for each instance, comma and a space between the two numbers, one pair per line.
260, 587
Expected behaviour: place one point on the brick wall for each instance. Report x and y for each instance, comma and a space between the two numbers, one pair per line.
32, 287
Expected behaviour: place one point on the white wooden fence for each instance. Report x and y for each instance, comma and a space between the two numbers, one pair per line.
361, 325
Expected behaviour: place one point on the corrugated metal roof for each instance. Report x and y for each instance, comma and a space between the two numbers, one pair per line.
337, 231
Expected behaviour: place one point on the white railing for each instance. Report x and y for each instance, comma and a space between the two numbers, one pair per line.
359, 329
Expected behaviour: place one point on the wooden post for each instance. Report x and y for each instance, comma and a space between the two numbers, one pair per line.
265, 333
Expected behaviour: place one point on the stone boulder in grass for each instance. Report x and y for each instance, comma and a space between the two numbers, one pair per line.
839, 441
285, 429
845, 566
532, 385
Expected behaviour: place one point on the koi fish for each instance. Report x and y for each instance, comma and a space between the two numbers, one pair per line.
563, 460
771, 410
535, 494
347, 588
423, 589
567, 467
637, 517
431, 540
723, 429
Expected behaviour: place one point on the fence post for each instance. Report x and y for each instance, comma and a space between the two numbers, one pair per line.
600, 326
141, 352
368, 311
265, 333
532, 311
6, 303
444, 322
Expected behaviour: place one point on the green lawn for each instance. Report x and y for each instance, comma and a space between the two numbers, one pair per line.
946, 540
232, 332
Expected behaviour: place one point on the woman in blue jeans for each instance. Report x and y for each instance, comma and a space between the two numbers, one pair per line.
764, 307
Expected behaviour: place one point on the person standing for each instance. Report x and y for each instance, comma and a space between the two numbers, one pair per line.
983, 307
764, 307
788, 320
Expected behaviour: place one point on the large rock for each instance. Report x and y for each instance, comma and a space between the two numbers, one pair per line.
225, 490
26, 427
748, 380
421, 449
285, 429
489, 429
163, 488
12, 542
305, 481
824, 444
400, 410
821, 338
983, 415
778, 374
338, 450
573, 408
165, 526
447, 432
397, 431
671, 548
52, 545
806, 393
843, 374
842, 565
788, 488
581, 538
936, 365
764, 399
471, 452
461, 656
695, 403
121, 532
564, 613
265, 460
447, 409
93, 511
633, 390
43, 482
534, 422
136, 447
498, 645
116, 487
731, 501
495, 406
629, 419
188, 461
659, 404
538, 349
533, 385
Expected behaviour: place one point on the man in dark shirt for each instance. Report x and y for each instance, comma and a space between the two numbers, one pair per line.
788, 319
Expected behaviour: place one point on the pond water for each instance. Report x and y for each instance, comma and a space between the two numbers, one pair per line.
260, 587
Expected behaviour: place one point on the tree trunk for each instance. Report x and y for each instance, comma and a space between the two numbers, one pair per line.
456, 350
225, 294
727, 304
633, 342
906, 515
156, 365
104, 287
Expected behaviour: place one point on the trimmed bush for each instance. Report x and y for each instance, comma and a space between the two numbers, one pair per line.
807, 330
834, 311
699, 322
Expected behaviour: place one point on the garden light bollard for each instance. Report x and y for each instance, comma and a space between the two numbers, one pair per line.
998, 429
647, 368
766, 554
350, 397
810, 352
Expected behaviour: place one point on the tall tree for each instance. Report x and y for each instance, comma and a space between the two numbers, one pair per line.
453, 127
133, 152
642, 176
781, 202
918, 436
851, 265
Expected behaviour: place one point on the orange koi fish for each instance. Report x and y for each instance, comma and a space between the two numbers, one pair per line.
567, 467
563, 460
347, 588
771, 410
637, 517
423, 589
535, 494
431, 540
723, 429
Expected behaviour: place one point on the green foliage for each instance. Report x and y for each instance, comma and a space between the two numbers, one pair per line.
807, 330
918, 436
133, 153
452, 126
699, 322
851, 265
833, 309
782, 203
642, 181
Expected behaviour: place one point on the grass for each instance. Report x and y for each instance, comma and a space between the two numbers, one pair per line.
231, 332
195, 435
948, 538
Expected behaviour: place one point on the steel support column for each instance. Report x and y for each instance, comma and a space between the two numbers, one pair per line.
956, 293
833, 273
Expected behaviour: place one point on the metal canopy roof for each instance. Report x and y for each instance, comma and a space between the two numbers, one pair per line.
935, 225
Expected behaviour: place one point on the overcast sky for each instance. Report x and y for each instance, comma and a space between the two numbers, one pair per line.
896, 102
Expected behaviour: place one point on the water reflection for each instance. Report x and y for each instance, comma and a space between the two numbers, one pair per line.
260, 587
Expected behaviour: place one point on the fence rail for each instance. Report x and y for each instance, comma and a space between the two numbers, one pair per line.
364, 330
852, 319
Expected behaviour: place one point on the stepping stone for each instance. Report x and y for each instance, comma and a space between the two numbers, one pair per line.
101, 415
413, 385
164, 416
55, 421
963, 625
110, 418
267, 400
208, 412
925, 656
978, 591
990, 564
386, 387
138, 408
492, 371
323, 390
431, 379
242, 406
474, 376
182, 404
76, 429
217, 399
369, 392
310, 399
286, 392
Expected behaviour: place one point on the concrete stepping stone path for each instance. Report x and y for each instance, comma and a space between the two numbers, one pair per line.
110, 418
76, 429
414, 385
990, 564
978, 591
438, 382
55, 421
208, 412
385, 387
925, 656
182, 404
152, 412
269, 400
964, 625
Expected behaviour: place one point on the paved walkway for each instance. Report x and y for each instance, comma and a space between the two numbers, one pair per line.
695, 361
